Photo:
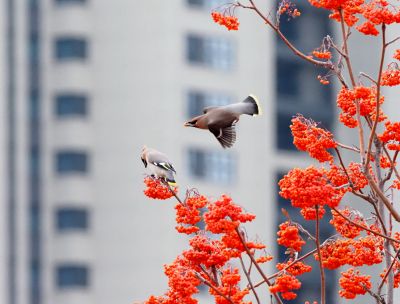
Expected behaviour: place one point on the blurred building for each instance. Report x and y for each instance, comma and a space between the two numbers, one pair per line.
84, 84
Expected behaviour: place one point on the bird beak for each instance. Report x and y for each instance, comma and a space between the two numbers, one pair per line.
187, 124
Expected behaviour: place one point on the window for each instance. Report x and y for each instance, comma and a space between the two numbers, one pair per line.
297, 87
199, 3
284, 137
71, 105
70, 276
71, 162
197, 101
211, 52
289, 28
72, 219
289, 72
65, 2
70, 48
34, 110
206, 4
212, 166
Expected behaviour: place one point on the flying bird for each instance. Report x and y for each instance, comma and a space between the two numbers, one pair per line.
221, 120
158, 164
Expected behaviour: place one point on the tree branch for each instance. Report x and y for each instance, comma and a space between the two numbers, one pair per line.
242, 240
321, 269
249, 279
364, 227
378, 97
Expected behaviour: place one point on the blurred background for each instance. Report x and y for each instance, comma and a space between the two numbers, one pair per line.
84, 84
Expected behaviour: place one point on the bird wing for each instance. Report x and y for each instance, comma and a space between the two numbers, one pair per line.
166, 166
226, 136
160, 160
206, 109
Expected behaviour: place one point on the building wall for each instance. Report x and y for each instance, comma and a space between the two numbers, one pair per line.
15, 265
137, 77
3, 159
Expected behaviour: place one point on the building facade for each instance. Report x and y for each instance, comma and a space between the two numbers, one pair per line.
85, 85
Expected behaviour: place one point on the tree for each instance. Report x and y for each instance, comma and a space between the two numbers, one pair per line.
361, 240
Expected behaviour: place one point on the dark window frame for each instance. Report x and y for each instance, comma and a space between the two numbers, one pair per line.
71, 275
70, 2
71, 105
214, 52
71, 48
72, 219
208, 164
195, 3
78, 162
205, 5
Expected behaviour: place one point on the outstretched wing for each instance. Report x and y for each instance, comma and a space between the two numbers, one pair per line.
226, 136
206, 109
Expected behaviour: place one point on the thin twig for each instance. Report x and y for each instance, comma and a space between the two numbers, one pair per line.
249, 279
388, 270
325, 64
364, 227
392, 167
173, 193
392, 162
378, 97
392, 41
304, 230
382, 196
384, 149
343, 167
380, 219
287, 266
368, 77
277, 298
377, 297
321, 268
215, 289
346, 49
365, 197
348, 147
208, 275
292, 263
350, 70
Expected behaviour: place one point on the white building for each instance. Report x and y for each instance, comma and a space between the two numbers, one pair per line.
84, 84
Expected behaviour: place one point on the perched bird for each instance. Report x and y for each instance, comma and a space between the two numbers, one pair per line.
221, 121
159, 165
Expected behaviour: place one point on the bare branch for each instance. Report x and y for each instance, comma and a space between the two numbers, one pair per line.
378, 97
321, 268
249, 279
243, 241
364, 227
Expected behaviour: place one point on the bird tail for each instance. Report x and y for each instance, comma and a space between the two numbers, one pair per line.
170, 179
172, 183
251, 106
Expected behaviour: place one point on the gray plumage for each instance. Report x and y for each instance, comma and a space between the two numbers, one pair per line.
221, 120
158, 164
